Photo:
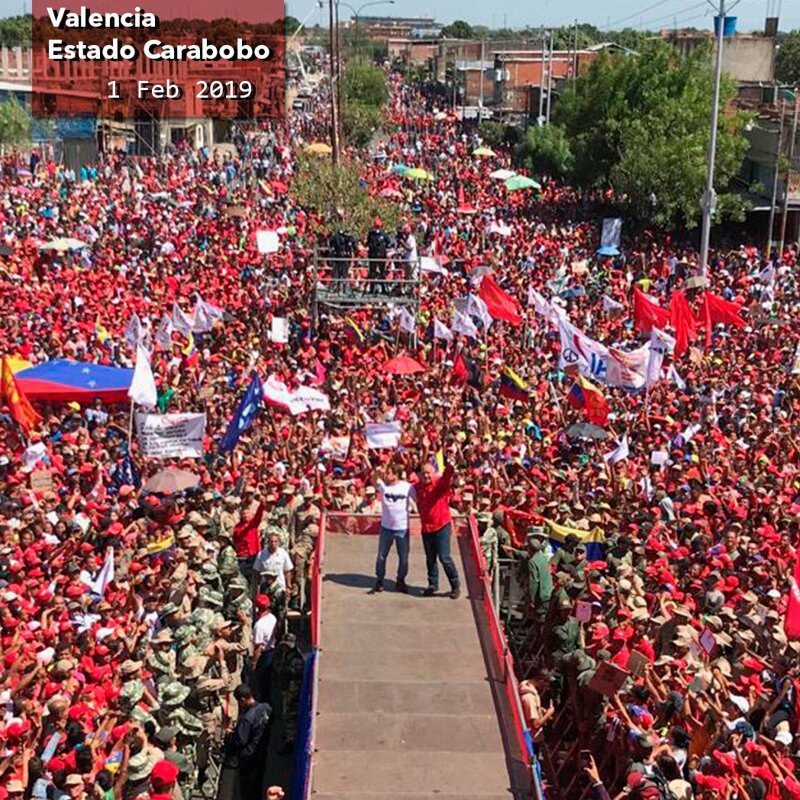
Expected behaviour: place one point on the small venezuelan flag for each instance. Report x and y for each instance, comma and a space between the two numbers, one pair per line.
101, 333
512, 386
585, 395
354, 334
437, 462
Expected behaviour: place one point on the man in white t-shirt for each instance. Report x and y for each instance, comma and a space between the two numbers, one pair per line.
395, 496
264, 630
274, 558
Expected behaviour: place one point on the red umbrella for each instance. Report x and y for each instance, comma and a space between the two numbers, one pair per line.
402, 365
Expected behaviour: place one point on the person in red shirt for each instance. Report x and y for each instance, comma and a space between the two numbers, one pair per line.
433, 502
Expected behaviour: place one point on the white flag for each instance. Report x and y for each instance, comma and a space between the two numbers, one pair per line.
627, 368
133, 333
205, 315
464, 325
181, 321
577, 349
796, 360
406, 321
672, 375
164, 332
143, 386
104, 577
661, 344
619, 453
611, 306
383, 434
474, 306
441, 331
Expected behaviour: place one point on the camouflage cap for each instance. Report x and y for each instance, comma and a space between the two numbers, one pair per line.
173, 694
132, 692
185, 633
141, 764
169, 608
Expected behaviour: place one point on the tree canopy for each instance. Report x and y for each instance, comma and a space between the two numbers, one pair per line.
641, 124
545, 150
787, 60
364, 93
458, 29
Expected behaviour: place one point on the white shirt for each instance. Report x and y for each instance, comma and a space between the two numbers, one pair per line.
264, 631
279, 562
394, 504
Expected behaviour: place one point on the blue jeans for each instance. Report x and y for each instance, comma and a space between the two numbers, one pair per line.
385, 540
437, 548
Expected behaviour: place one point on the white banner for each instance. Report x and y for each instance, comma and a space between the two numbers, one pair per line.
627, 368
383, 434
577, 349
267, 242
171, 435
280, 330
299, 401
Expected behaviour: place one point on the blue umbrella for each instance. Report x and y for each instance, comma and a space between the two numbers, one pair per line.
608, 251
399, 169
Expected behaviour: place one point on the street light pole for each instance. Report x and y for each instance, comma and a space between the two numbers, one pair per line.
785, 209
709, 202
775, 177
334, 87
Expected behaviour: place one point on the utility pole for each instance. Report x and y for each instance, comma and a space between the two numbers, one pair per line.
549, 78
785, 209
334, 88
339, 77
480, 98
709, 201
775, 180
541, 84
575, 53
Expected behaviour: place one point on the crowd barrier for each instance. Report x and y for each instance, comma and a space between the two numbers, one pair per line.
493, 640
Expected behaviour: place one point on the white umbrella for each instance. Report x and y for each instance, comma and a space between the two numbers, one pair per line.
62, 245
502, 174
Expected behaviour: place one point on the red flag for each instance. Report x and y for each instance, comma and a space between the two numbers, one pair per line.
682, 320
22, 412
791, 625
460, 373
719, 310
500, 304
646, 313
319, 373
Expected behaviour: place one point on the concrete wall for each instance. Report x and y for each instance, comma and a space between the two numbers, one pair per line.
748, 59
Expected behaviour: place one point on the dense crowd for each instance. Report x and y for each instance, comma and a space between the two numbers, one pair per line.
684, 559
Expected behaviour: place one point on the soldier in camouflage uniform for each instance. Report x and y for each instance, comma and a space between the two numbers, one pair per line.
287, 674
162, 661
271, 587
186, 637
172, 714
237, 598
307, 528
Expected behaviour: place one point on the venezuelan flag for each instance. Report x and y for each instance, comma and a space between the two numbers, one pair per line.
101, 333
512, 386
353, 333
585, 395
22, 412
438, 462
594, 539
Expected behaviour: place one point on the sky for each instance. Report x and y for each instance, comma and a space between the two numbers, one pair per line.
645, 14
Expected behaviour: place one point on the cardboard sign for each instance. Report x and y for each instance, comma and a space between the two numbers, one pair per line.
608, 678
206, 393
41, 481
280, 330
583, 611
637, 662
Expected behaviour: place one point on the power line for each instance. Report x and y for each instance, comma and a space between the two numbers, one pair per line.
616, 22
674, 15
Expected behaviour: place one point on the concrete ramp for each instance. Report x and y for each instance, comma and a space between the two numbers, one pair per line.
406, 709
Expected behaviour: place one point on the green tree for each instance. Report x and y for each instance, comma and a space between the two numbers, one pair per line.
15, 125
290, 25
365, 84
787, 60
338, 196
546, 151
458, 30
360, 122
641, 124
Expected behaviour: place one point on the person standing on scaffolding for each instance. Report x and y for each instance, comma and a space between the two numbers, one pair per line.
408, 242
377, 248
342, 246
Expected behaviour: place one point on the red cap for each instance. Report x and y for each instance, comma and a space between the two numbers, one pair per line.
164, 774
262, 601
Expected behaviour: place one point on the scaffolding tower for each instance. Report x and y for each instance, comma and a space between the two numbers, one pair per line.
342, 285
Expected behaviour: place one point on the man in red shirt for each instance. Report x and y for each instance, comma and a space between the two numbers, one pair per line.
433, 502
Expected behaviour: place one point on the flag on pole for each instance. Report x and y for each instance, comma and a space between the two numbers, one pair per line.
499, 303
353, 333
661, 344
205, 315
441, 331
473, 306
586, 396
143, 385
134, 332
164, 332
22, 412
647, 313
464, 325
619, 453
406, 321
512, 386
611, 306
104, 577
181, 321
245, 414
